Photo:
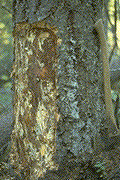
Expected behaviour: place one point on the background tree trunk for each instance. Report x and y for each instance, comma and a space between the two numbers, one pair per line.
39, 26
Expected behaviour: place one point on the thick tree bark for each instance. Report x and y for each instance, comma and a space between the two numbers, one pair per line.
33, 137
80, 87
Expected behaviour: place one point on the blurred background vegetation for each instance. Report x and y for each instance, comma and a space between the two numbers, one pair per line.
6, 60
6, 54
6, 40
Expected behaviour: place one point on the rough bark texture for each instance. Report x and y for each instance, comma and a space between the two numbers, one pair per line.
33, 137
80, 87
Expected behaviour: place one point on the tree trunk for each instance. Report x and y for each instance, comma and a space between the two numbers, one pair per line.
56, 69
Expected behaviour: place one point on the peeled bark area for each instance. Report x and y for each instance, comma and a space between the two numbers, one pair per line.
80, 92
35, 111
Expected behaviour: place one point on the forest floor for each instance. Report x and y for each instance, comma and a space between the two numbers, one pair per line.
106, 164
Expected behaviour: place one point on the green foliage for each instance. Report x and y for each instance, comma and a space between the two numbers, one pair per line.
6, 41
114, 97
5, 98
101, 168
6, 55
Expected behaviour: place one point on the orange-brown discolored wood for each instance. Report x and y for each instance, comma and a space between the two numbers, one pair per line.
35, 106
